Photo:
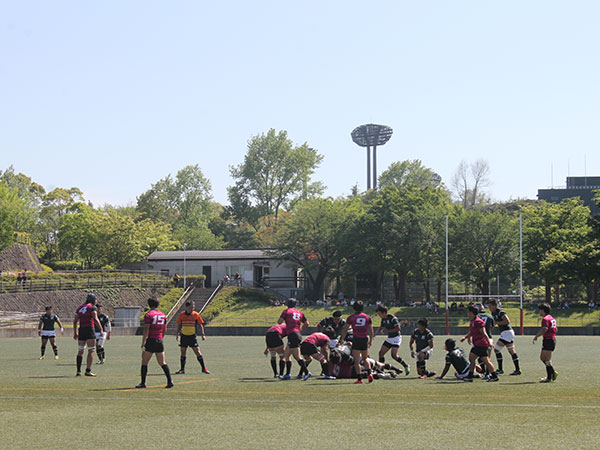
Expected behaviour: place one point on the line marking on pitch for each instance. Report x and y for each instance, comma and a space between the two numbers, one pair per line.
314, 402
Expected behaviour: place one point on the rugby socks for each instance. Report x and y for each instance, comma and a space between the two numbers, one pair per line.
79, 361
401, 361
167, 372
274, 366
382, 359
55, 349
281, 366
201, 361
499, 358
100, 353
144, 373
421, 368
515, 359
303, 368
43, 349
288, 367
182, 362
549, 369
325, 369
390, 367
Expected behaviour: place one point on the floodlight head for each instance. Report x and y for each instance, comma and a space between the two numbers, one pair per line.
371, 135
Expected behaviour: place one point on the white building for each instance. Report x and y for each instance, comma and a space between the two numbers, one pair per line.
257, 268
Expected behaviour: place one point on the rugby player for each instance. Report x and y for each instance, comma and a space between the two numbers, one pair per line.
295, 321
336, 322
489, 326
481, 344
155, 323
186, 335
345, 368
46, 331
315, 347
391, 325
87, 318
422, 339
548, 331
507, 337
456, 358
274, 341
362, 327
101, 337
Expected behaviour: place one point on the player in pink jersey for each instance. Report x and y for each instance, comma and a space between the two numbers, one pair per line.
295, 322
155, 323
481, 344
274, 341
86, 317
315, 346
548, 331
362, 328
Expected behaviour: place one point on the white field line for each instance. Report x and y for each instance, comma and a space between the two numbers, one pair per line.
312, 402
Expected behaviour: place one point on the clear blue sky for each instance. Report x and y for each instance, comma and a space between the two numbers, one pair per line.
112, 96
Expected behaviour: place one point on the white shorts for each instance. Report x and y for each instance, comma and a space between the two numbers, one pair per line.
100, 338
394, 340
508, 336
464, 373
48, 333
427, 353
333, 343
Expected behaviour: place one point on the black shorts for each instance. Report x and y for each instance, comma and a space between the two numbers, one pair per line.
294, 339
154, 345
86, 333
360, 343
549, 345
188, 340
273, 339
479, 350
389, 345
308, 348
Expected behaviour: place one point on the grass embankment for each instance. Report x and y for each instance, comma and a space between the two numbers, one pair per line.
245, 309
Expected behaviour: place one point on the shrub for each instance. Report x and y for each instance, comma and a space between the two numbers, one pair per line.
231, 295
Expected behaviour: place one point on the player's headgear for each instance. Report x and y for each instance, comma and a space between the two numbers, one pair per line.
153, 302
91, 298
545, 307
450, 344
291, 302
337, 314
358, 306
330, 332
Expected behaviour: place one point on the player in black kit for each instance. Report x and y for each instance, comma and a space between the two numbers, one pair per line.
391, 325
102, 336
422, 338
46, 331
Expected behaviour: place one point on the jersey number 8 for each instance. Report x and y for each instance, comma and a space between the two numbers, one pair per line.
296, 316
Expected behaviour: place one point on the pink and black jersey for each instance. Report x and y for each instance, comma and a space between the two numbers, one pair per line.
280, 329
475, 327
342, 370
360, 323
550, 323
157, 321
319, 339
85, 313
293, 319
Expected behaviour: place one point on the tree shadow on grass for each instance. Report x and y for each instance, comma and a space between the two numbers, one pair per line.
259, 380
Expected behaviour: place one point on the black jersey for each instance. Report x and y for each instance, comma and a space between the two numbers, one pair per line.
458, 359
48, 321
328, 322
489, 322
422, 339
498, 316
389, 323
104, 321
345, 353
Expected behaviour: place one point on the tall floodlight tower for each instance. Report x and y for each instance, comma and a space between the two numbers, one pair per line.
371, 135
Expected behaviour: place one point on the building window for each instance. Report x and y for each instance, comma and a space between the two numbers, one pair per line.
232, 270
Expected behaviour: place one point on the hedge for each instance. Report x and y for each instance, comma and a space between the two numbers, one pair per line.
231, 295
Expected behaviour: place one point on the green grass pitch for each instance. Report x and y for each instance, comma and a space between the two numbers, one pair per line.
43, 405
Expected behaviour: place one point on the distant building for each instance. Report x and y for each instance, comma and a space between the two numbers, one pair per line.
256, 268
582, 187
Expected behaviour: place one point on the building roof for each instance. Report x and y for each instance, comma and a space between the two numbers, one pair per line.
210, 255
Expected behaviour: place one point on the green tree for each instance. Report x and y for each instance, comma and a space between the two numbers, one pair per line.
553, 234
55, 205
9, 207
409, 173
275, 174
481, 244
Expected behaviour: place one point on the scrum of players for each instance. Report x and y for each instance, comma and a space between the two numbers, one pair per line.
342, 346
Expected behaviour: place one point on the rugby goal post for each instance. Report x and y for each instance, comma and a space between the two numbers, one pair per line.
473, 296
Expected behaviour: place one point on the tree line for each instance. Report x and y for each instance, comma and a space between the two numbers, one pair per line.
397, 231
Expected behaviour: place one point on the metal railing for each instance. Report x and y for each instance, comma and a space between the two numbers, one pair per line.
212, 296
179, 302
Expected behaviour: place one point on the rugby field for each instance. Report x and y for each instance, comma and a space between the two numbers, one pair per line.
240, 405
